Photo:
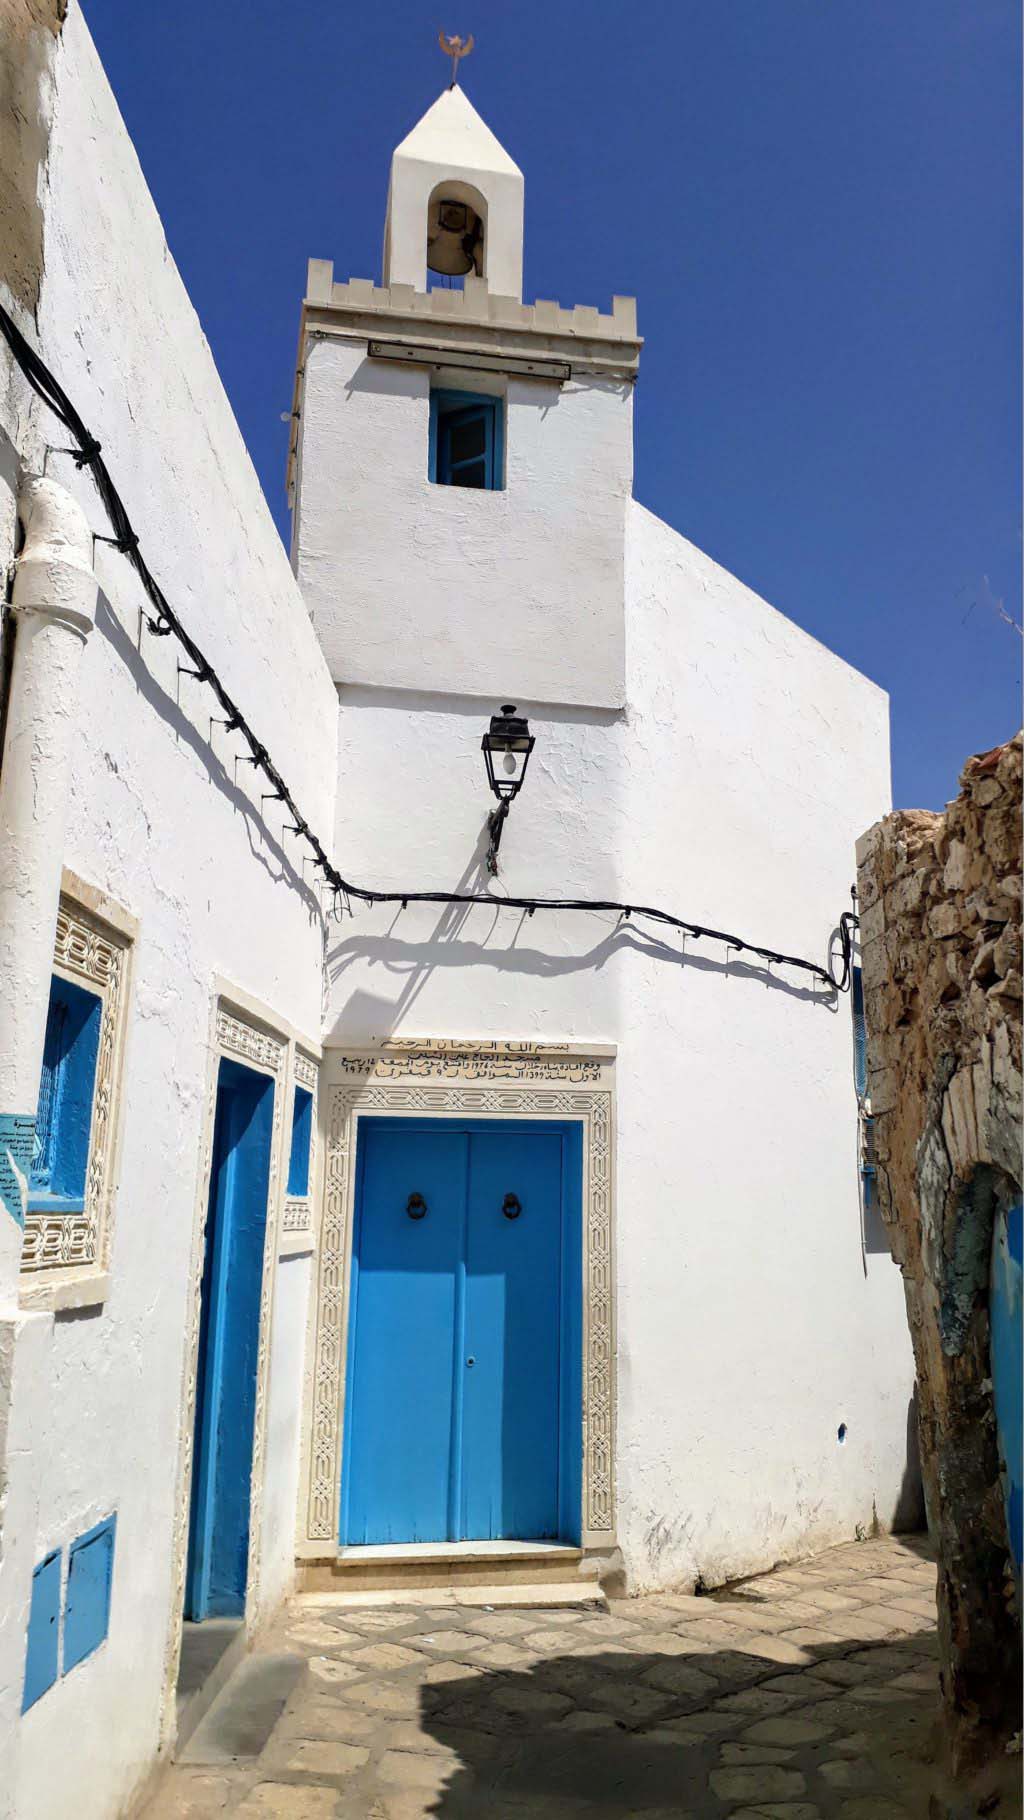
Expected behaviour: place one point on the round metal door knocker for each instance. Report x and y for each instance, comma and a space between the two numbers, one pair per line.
511, 1207
416, 1207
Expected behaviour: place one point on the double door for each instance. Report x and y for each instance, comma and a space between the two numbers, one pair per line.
463, 1382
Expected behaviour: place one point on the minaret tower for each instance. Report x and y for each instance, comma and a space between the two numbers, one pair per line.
462, 461
474, 220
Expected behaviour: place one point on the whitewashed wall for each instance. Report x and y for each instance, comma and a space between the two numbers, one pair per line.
517, 591
750, 1323
160, 820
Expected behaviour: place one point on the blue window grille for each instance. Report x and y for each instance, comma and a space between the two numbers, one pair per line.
87, 1604
467, 440
64, 1113
302, 1133
43, 1630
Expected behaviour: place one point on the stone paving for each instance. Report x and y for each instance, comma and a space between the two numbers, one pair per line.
807, 1692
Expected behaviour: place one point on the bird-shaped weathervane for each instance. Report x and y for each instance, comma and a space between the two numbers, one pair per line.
455, 48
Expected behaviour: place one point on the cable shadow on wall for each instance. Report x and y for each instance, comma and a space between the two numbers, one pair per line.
264, 846
366, 1015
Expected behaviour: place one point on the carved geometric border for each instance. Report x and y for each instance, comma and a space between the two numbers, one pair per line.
442, 1078
89, 949
262, 1049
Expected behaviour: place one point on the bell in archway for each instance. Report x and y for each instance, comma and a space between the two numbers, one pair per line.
455, 238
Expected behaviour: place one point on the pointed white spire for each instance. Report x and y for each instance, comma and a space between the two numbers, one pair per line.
453, 152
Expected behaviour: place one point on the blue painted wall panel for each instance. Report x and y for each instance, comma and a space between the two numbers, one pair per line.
1008, 1363
43, 1631
90, 1581
229, 1344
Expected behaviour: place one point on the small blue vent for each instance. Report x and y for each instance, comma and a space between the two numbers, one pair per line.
87, 1608
43, 1630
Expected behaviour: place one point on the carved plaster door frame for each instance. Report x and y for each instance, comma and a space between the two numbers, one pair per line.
243, 1031
447, 1079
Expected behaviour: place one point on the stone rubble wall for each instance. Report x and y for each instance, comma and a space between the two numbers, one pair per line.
940, 901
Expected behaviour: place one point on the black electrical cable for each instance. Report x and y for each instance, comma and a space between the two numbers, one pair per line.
87, 453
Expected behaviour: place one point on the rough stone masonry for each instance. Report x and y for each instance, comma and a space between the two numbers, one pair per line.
940, 898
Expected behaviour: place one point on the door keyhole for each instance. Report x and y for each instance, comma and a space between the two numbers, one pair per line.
511, 1207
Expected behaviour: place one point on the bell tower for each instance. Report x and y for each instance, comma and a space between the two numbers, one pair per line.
462, 462
455, 203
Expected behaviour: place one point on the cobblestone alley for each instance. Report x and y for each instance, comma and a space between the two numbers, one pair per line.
809, 1691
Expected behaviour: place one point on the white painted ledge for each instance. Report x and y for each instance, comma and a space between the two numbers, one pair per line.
362, 1554
51, 1293
295, 1245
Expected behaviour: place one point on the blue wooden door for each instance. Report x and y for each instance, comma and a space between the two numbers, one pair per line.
511, 1355
462, 1407
400, 1414
229, 1344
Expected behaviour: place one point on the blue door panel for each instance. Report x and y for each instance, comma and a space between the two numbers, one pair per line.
438, 1448
229, 1344
510, 1426
402, 1333
90, 1578
43, 1630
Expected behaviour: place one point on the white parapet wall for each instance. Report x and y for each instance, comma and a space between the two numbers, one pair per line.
753, 1324
164, 825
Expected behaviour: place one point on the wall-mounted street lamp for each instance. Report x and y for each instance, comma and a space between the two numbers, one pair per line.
506, 747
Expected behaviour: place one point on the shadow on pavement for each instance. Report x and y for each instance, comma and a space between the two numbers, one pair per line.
620, 1733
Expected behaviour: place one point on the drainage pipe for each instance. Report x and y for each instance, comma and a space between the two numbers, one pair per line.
52, 613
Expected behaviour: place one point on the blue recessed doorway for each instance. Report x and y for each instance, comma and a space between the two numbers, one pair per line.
225, 1415
464, 1383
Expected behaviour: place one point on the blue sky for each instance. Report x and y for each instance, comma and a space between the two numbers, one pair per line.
815, 202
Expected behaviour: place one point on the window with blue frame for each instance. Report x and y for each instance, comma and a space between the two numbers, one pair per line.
66, 1091
467, 440
302, 1133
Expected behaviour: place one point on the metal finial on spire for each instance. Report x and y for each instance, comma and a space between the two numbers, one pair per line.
455, 48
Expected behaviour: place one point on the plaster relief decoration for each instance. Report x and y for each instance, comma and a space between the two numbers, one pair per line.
298, 1209
266, 1051
447, 1079
90, 952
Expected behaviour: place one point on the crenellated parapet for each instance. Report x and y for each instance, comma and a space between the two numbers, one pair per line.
475, 306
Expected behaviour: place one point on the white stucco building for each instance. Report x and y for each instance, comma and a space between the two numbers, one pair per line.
529, 1241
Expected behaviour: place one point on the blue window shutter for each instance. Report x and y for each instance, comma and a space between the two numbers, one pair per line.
466, 440
87, 1606
48, 1110
43, 1630
67, 1084
432, 450
302, 1132
498, 445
